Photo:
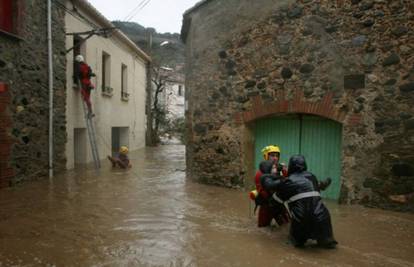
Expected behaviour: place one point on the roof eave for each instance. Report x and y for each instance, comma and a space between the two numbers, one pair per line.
93, 12
187, 19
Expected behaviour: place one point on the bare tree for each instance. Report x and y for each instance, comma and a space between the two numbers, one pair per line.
159, 79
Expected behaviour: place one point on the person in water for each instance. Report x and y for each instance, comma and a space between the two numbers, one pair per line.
299, 192
269, 211
122, 161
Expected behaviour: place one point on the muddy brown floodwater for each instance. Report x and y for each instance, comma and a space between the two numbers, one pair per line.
152, 216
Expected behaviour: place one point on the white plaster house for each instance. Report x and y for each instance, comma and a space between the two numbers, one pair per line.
173, 96
118, 100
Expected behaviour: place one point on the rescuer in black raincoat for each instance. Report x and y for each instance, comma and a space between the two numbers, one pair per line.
310, 219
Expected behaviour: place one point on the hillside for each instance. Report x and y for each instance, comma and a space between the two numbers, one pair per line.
171, 54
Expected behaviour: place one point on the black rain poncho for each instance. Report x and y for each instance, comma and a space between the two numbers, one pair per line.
310, 218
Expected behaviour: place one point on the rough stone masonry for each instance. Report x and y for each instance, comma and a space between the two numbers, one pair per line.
350, 61
24, 94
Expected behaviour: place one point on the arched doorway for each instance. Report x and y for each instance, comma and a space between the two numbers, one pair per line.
317, 138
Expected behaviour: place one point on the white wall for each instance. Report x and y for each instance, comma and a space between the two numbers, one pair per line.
175, 103
109, 111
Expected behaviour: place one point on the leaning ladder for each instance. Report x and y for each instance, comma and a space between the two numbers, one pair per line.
92, 136
90, 126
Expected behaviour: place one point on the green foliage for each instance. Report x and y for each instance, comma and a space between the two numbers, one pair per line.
170, 55
172, 127
177, 128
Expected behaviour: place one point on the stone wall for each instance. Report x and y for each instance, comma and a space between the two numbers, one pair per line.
25, 96
6, 171
350, 61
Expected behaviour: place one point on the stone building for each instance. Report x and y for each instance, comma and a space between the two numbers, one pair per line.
24, 92
333, 80
118, 100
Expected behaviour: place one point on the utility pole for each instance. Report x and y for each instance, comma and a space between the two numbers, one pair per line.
148, 108
149, 36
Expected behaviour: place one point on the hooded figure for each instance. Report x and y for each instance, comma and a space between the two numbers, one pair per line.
310, 219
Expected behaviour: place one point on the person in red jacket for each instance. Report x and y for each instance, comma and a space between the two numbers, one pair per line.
268, 212
84, 73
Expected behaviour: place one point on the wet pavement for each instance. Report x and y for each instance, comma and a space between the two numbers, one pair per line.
152, 216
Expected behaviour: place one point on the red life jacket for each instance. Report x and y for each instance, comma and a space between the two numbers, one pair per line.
259, 187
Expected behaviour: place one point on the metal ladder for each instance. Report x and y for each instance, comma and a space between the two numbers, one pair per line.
90, 126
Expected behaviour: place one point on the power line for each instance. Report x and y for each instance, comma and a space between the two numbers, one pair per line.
142, 7
136, 10
133, 10
103, 32
78, 16
97, 30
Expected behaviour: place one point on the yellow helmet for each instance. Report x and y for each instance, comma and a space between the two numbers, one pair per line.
123, 150
270, 149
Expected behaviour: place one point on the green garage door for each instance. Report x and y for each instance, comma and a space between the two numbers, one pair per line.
318, 139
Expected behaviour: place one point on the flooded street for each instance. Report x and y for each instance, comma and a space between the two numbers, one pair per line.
152, 216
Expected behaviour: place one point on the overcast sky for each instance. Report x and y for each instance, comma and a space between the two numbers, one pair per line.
163, 15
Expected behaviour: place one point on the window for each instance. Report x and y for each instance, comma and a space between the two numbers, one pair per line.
78, 48
9, 16
124, 82
106, 72
180, 90
120, 137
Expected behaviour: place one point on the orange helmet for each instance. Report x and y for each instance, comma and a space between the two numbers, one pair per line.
123, 150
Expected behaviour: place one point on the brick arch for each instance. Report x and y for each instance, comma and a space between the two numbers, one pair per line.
298, 104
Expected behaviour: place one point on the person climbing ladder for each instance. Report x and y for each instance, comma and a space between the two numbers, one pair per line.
84, 74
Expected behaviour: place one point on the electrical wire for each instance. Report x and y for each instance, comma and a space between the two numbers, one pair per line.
142, 7
133, 10
83, 19
78, 16
137, 11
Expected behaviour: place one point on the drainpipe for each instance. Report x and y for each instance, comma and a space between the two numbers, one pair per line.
50, 57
